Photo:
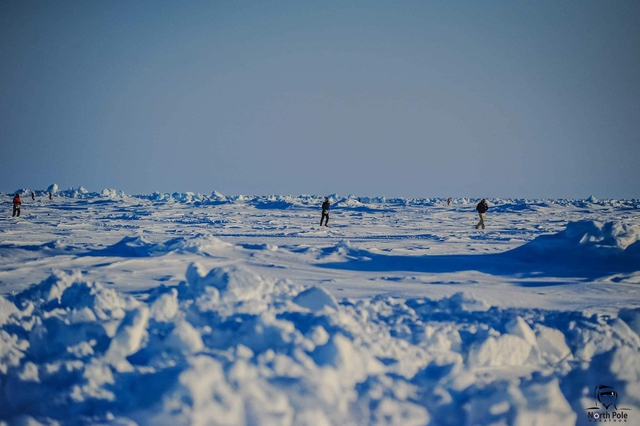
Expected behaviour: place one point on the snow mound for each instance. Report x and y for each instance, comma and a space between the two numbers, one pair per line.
202, 244
111, 193
590, 236
228, 346
232, 282
586, 240
340, 251
315, 299
632, 318
7, 309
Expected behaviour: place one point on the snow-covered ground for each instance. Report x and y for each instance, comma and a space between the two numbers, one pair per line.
171, 309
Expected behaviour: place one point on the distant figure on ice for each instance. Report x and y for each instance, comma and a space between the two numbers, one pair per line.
482, 208
49, 195
33, 195
448, 201
16, 205
325, 211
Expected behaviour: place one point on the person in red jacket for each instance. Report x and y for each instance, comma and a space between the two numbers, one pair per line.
16, 205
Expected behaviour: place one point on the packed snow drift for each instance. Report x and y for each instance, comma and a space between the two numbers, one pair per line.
185, 309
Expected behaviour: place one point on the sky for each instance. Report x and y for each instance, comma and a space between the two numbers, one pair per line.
373, 98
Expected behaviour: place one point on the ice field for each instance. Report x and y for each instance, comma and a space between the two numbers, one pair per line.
190, 309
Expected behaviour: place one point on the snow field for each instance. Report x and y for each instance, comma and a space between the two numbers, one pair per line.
189, 309
227, 346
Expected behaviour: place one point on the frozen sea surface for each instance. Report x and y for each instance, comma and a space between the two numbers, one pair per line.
217, 310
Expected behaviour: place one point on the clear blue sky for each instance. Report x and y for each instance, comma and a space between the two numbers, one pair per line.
533, 99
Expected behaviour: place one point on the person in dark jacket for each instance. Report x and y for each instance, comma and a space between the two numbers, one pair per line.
325, 211
33, 195
482, 208
16, 205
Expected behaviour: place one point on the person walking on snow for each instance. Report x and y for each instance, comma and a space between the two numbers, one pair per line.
482, 208
16, 205
325, 211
